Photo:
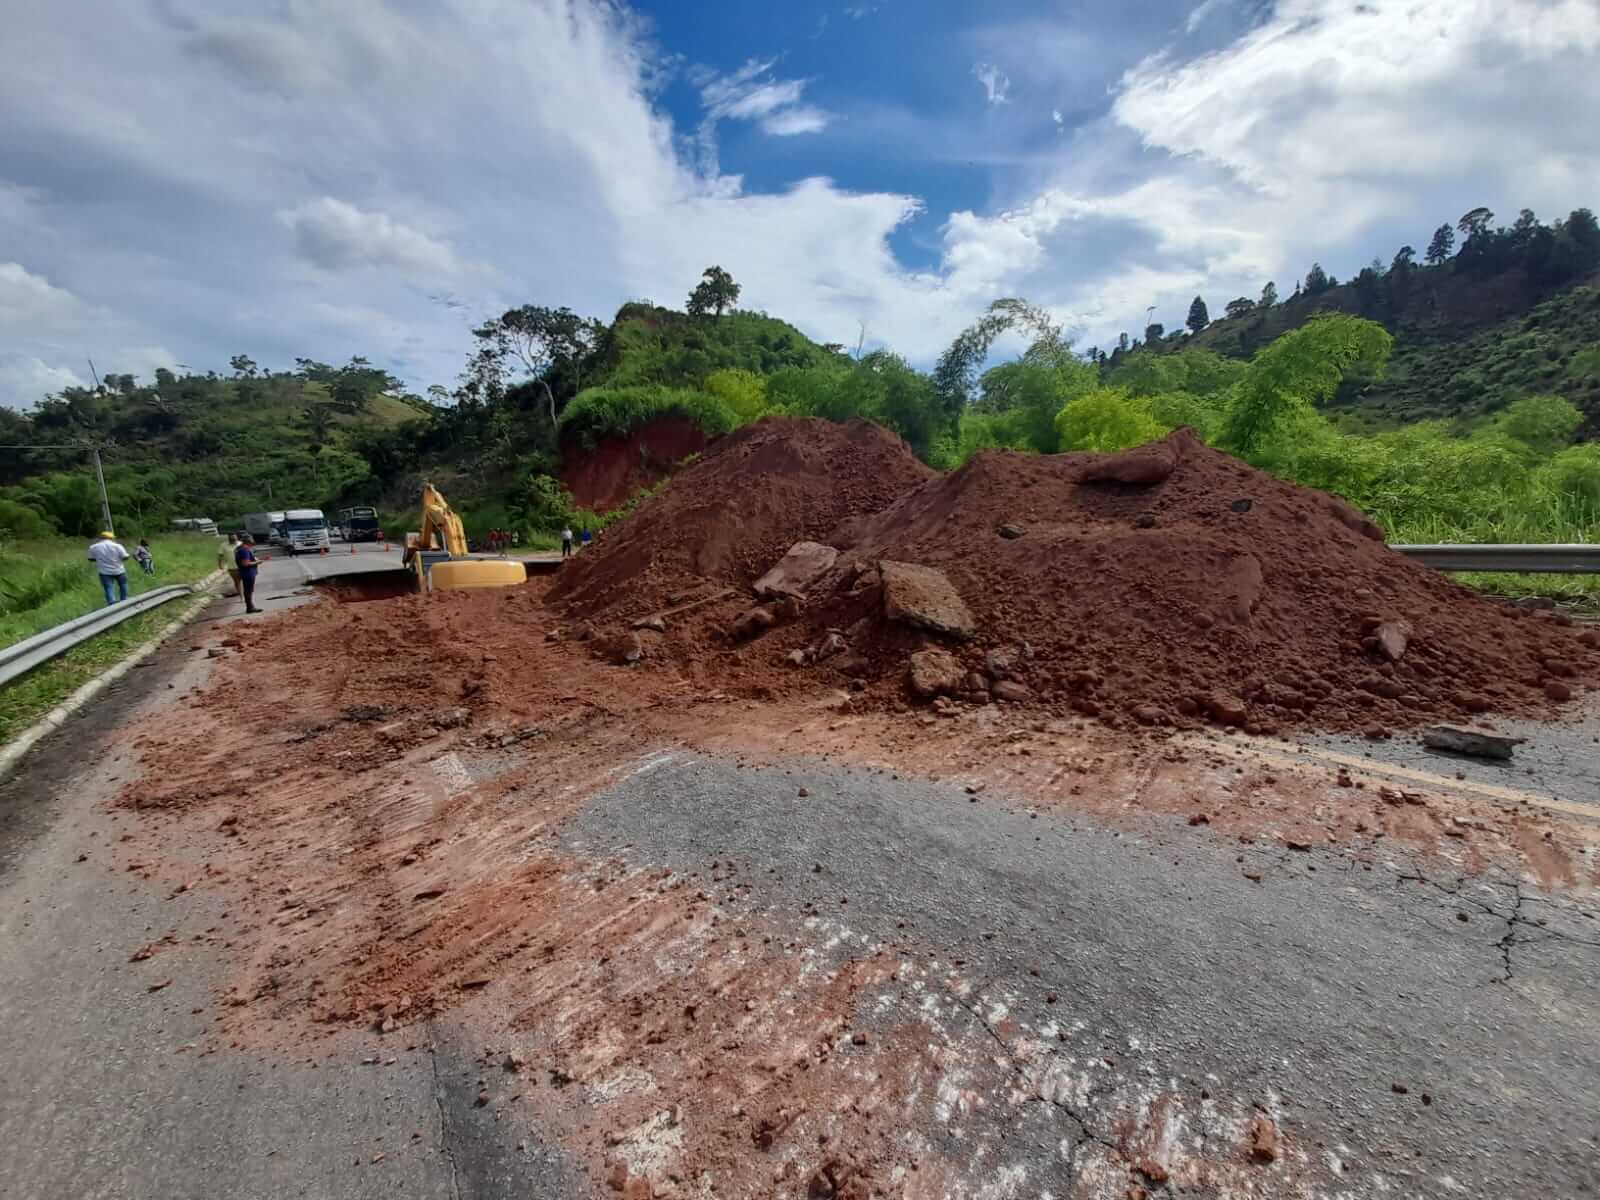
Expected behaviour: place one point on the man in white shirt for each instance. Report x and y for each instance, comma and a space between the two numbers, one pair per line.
108, 555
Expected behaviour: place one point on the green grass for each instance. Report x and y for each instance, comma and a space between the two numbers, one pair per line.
27, 699
43, 583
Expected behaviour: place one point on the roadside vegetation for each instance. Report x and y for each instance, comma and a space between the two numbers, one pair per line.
46, 582
43, 583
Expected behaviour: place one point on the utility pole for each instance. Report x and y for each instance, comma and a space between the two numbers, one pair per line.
105, 503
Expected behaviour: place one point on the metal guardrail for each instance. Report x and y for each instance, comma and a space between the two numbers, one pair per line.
1555, 559
21, 657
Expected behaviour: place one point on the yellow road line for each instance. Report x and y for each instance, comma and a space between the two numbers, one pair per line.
1289, 754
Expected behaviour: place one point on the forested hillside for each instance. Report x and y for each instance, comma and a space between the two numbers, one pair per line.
1452, 397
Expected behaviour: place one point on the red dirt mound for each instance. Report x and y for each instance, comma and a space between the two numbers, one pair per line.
728, 517
602, 478
1207, 590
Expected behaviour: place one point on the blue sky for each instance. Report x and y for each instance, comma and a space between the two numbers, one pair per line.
333, 177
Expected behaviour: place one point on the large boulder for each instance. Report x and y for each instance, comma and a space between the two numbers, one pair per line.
796, 571
934, 673
924, 596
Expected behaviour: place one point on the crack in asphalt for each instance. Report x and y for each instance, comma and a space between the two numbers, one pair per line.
1086, 1134
444, 1118
1509, 941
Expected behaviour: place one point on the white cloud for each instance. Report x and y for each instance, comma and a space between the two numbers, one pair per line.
1203, 12
857, 12
336, 236
802, 118
25, 297
994, 81
752, 94
25, 379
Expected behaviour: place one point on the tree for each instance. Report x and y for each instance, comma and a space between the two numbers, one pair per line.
1317, 280
541, 340
715, 292
1154, 332
1475, 222
1106, 419
1122, 342
1444, 241
744, 392
1402, 260
1199, 318
1241, 307
1269, 294
956, 372
243, 366
1298, 371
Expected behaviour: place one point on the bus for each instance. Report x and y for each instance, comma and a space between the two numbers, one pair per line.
360, 524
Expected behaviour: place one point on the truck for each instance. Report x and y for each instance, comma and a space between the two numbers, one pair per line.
359, 523
194, 525
265, 527
305, 531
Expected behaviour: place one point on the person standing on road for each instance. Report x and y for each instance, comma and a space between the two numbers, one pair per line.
225, 551
146, 559
108, 556
245, 557
566, 541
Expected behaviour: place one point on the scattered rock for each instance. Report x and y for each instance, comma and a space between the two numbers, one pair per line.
1263, 1138
796, 571
1143, 465
1012, 692
655, 623
795, 658
620, 649
215, 652
1227, 709
1535, 602
451, 718
852, 664
831, 644
552, 635
1558, 691
1473, 742
1393, 637
1561, 667
934, 672
1353, 518
1011, 530
1001, 663
803, 793
1590, 638
584, 632
1149, 714
156, 987
924, 597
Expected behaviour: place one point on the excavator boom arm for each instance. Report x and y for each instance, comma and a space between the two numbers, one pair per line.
440, 522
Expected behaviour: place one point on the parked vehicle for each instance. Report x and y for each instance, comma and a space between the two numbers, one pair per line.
306, 531
265, 527
194, 525
360, 524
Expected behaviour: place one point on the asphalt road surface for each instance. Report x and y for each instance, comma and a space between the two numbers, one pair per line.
1409, 1034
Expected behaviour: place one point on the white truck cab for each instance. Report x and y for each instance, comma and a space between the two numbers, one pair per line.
306, 531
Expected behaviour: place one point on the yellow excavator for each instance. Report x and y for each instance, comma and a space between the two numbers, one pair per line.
445, 566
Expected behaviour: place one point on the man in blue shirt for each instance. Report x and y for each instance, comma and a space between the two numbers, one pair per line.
245, 557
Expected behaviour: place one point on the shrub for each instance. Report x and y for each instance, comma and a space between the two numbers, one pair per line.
599, 413
1107, 419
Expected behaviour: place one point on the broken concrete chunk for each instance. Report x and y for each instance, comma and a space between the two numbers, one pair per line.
797, 570
832, 643
1393, 638
924, 596
1474, 742
1011, 530
451, 718
934, 672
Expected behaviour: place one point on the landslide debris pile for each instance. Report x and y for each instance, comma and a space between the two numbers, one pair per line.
1166, 585
727, 517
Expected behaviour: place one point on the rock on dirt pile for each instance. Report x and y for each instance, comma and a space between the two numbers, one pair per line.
725, 519
1174, 584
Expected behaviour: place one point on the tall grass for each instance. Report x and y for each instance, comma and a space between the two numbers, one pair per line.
43, 583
